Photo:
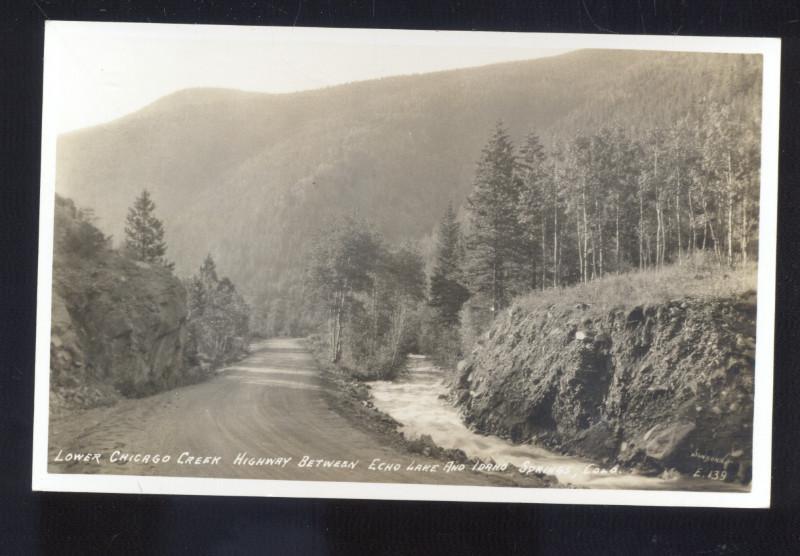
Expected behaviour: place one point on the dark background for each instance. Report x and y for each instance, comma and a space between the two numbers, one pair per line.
51, 523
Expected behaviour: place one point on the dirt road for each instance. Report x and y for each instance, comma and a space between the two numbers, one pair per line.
270, 405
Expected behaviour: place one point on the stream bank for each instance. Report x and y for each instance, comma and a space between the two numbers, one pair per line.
658, 388
355, 401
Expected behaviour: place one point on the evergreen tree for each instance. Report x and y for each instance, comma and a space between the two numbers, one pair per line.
447, 293
218, 320
208, 272
144, 233
496, 246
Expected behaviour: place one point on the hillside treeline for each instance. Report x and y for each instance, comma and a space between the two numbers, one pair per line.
270, 168
610, 201
542, 215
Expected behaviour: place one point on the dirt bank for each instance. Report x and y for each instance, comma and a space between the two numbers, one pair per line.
655, 387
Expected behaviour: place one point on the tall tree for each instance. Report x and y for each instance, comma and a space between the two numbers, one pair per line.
496, 239
578, 188
218, 320
447, 292
342, 260
144, 233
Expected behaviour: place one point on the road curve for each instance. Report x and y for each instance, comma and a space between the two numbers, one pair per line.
269, 405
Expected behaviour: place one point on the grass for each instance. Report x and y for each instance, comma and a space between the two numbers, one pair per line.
697, 279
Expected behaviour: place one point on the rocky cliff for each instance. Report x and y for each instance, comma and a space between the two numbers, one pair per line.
667, 386
118, 325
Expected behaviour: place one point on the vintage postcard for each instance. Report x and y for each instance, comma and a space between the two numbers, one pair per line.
463, 266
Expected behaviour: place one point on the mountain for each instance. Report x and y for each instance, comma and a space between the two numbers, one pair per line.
250, 176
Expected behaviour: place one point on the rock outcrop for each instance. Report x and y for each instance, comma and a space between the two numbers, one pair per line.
118, 325
668, 386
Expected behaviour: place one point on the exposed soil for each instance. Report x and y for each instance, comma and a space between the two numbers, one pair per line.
667, 386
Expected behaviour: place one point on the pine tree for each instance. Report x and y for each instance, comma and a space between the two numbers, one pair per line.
496, 240
144, 233
218, 320
447, 293
208, 272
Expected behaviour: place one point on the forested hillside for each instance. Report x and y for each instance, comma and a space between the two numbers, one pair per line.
252, 177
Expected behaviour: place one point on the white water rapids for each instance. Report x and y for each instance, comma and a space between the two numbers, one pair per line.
414, 400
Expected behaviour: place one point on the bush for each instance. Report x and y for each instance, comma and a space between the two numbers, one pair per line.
368, 359
74, 232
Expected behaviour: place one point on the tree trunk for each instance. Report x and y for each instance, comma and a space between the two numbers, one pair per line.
374, 342
585, 236
601, 268
659, 220
544, 247
339, 313
706, 220
494, 286
580, 245
641, 226
730, 211
693, 244
678, 223
556, 269
658, 232
714, 241
744, 229
332, 328
597, 254
616, 240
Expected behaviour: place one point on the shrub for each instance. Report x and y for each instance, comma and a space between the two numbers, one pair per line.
74, 231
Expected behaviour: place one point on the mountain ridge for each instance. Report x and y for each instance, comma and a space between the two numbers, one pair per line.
248, 176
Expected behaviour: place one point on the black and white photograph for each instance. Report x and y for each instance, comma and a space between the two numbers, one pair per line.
468, 266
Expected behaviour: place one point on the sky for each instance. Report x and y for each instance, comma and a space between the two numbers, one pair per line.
104, 71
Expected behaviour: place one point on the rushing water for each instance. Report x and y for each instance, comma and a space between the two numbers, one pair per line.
414, 400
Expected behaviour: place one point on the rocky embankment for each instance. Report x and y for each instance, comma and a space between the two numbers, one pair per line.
667, 386
118, 325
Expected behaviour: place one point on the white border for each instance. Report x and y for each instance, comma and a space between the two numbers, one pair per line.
759, 497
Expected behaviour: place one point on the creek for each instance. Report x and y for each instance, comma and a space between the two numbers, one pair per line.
416, 399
